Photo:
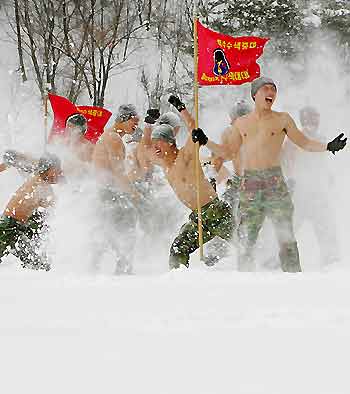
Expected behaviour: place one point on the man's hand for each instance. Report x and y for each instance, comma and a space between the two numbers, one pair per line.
199, 136
152, 115
177, 103
337, 144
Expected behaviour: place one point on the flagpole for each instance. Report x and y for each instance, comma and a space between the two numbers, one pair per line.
196, 110
45, 105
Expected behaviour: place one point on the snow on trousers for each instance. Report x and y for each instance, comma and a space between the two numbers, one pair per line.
120, 218
264, 193
218, 247
17, 238
217, 220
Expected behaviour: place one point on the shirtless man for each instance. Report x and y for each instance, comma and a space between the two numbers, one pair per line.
16, 226
311, 198
179, 169
76, 126
117, 193
143, 153
261, 134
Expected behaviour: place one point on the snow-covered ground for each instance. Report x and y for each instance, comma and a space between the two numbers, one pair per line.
198, 331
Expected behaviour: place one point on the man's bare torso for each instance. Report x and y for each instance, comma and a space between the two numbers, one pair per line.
181, 177
104, 153
32, 195
262, 140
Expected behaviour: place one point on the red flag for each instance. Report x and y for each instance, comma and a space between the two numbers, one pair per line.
62, 108
97, 118
226, 60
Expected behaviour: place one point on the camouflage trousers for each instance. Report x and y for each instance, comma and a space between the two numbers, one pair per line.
119, 217
264, 193
217, 220
22, 241
219, 248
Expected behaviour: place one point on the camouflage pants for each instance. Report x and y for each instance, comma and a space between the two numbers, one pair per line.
219, 248
19, 239
217, 220
264, 194
119, 228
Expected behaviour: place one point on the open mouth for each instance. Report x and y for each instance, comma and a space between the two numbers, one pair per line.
268, 100
134, 128
158, 152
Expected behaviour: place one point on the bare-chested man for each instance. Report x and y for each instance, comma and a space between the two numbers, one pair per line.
179, 168
261, 134
117, 192
311, 198
76, 127
17, 227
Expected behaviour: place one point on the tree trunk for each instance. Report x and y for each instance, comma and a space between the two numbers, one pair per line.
19, 43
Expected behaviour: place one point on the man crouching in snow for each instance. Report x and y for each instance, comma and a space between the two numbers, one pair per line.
18, 225
179, 169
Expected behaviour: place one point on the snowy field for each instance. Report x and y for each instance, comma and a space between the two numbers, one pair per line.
178, 332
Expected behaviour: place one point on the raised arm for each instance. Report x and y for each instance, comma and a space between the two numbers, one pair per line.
185, 115
307, 144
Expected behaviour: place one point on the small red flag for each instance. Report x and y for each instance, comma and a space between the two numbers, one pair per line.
226, 60
62, 108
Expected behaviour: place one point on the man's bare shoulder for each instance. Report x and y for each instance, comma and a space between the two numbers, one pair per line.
281, 115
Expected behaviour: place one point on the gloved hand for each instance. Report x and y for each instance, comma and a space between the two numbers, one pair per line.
177, 103
337, 144
199, 136
10, 157
152, 115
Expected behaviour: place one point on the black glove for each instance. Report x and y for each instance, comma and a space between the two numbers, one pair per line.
152, 115
199, 136
337, 144
10, 157
177, 103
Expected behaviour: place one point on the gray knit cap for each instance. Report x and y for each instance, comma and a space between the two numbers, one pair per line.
260, 82
170, 118
164, 132
126, 112
240, 108
48, 161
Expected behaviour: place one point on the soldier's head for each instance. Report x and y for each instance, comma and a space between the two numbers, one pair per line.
127, 118
309, 119
49, 168
263, 92
172, 120
76, 125
240, 108
163, 140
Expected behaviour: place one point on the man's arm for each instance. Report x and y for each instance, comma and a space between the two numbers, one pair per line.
230, 146
185, 115
299, 139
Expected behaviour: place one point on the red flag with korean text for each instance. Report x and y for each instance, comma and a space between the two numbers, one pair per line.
226, 60
62, 108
